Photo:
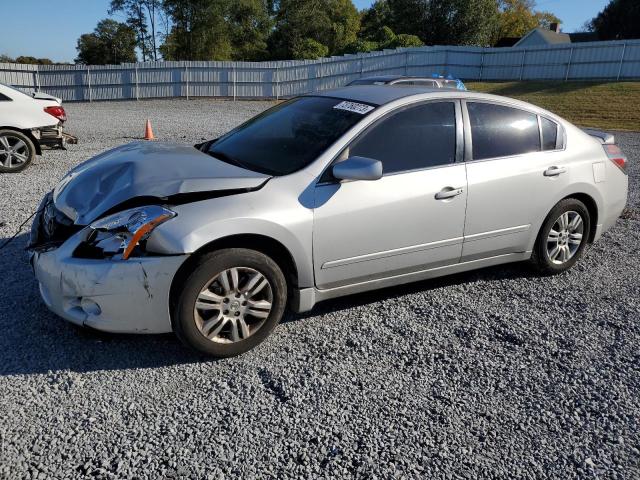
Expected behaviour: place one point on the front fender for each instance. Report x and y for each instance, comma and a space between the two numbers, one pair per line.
198, 224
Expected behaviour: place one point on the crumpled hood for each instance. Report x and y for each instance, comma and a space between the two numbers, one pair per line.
145, 169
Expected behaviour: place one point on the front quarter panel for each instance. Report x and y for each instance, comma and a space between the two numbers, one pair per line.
280, 210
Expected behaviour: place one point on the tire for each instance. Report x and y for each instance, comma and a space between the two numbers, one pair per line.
14, 159
224, 314
553, 253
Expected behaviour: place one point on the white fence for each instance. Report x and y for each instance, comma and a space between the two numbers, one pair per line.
614, 60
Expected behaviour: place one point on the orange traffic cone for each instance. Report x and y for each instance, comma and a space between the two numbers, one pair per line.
148, 133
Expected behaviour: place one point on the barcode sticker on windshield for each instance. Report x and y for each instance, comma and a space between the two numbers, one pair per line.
360, 108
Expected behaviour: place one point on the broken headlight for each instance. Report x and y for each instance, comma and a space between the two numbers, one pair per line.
120, 233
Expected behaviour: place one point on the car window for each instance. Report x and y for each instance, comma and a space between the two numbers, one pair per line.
422, 83
449, 84
413, 138
499, 131
289, 136
549, 134
4, 98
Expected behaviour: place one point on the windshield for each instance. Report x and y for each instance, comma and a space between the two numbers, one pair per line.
289, 136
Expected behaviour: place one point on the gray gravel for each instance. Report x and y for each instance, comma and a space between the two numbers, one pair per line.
496, 373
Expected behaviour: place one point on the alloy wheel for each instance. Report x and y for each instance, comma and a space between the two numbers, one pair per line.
13, 151
565, 237
233, 305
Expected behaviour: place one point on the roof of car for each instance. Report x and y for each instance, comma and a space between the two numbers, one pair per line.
377, 94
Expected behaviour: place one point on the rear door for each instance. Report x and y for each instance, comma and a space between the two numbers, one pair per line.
366, 230
514, 165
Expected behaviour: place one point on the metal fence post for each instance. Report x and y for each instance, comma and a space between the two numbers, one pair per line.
37, 78
446, 63
234, 82
277, 83
406, 62
524, 57
566, 76
137, 84
186, 75
89, 83
624, 48
481, 65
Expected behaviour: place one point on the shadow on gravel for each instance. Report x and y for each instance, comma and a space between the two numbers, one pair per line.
501, 272
37, 341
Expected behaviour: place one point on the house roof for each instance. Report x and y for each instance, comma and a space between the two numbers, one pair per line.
549, 36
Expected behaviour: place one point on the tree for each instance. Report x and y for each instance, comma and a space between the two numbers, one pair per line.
374, 19
250, 26
331, 23
217, 30
434, 22
6, 58
385, 39
309, 49
110, 43
33, 60
516, 18
619, 20
140, 15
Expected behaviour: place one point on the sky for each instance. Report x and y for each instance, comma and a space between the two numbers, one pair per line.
50, 28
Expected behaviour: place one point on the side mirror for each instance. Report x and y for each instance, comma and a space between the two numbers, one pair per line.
358, 168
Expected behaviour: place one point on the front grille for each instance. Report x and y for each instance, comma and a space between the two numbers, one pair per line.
51, 227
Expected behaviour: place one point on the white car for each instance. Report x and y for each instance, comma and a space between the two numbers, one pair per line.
27, 124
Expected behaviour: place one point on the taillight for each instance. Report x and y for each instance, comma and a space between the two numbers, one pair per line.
616, 156
57, 111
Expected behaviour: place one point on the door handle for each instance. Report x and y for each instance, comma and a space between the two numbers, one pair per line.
554, 171
449, 192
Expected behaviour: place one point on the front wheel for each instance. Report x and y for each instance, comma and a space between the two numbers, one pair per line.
230, 303
563, 237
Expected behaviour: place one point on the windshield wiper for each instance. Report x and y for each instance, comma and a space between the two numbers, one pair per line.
227, 159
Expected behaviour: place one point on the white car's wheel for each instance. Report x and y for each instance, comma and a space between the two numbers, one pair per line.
17, 151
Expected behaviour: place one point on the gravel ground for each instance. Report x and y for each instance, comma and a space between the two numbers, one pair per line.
497, 373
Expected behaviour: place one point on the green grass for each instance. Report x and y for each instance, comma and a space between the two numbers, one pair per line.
609, 106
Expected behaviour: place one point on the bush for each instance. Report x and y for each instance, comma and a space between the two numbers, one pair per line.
309, 49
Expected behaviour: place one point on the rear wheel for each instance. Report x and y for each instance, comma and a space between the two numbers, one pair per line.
17, 151
563, 237
230, 303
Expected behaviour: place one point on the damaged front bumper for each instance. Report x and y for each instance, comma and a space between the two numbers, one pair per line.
53, 137
124, 296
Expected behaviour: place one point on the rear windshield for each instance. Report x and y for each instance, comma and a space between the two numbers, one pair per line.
368, 81
289, 136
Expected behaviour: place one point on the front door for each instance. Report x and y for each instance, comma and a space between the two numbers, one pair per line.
409, 220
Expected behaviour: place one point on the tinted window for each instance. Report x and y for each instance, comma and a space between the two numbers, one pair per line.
415, 137
549, 134
289, 136
422, 83
499, 131
4, 98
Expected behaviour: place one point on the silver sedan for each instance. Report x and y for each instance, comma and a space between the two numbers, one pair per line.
321, 196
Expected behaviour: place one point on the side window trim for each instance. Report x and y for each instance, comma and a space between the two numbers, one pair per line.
560, 134
468, 140
460, 141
